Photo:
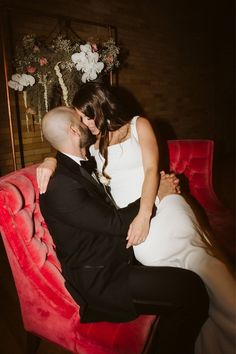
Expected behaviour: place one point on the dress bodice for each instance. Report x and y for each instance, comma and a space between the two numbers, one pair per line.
124, 167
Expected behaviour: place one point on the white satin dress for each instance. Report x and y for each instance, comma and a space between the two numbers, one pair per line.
173, 240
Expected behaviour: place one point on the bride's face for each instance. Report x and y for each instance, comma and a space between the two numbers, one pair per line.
88, 122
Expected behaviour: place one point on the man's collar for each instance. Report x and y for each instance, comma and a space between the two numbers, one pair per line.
77, 159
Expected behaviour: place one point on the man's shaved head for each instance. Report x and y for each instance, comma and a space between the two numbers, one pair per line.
61, 125
56, 124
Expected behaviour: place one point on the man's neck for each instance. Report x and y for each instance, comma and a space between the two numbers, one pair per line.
81, 153
75, 158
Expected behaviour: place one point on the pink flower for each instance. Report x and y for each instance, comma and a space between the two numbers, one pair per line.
109, 59
30, 111
36, 49
94, 47
43, 61
30, 69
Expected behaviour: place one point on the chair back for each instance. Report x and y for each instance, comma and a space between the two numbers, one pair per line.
194, 160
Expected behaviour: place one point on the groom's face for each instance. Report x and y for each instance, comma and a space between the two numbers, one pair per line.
86, 137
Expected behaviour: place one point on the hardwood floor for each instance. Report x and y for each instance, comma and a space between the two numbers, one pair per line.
12, 334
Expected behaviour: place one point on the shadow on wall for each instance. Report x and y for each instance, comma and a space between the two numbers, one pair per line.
129, 101
164, 132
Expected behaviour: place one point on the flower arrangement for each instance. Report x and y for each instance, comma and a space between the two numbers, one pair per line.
49, 74
104, 180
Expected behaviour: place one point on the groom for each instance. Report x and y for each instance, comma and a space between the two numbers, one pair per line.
90, 237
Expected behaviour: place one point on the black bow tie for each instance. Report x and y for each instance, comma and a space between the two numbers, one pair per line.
89, 165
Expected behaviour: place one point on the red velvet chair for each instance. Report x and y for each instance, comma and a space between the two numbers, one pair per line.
194, 160
48, 310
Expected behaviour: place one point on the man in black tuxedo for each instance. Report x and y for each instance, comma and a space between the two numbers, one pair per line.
90, 232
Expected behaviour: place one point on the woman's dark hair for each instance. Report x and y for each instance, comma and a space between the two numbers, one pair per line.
103, 104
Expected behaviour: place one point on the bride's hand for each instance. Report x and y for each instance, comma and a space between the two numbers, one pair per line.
91, 125
44, 172
138, 231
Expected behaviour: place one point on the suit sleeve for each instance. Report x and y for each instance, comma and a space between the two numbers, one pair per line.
74, 206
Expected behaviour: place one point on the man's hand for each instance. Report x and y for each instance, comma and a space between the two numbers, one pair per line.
44, 172
91, 125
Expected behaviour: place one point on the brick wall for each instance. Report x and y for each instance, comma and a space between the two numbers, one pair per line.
179, 67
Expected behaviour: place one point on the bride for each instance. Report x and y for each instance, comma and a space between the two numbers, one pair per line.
126, 153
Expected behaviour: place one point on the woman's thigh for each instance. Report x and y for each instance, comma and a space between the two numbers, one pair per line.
171, 232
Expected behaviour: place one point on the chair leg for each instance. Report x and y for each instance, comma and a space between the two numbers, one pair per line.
32, 343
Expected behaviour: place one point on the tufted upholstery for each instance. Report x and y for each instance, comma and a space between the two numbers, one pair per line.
194, 160
47, 308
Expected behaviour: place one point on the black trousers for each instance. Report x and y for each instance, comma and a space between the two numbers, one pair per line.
179, 297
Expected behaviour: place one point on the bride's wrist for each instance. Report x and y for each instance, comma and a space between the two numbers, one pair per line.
50, 159
145, 214
50, 162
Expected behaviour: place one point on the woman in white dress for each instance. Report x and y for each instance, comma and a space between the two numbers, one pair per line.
126, 153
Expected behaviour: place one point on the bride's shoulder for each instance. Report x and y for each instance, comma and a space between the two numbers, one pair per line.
136, 119
137, 124
141, 122
143, 127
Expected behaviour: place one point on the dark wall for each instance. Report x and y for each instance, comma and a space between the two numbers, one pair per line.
180, 65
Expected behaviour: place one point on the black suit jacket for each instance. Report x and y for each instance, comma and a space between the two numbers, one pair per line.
90, 238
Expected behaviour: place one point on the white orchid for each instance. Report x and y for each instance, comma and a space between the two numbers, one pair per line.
18, 81
86, 48
87, 62
15, 85
42, 66
27, 80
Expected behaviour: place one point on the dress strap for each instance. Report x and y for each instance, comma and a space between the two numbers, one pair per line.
133, 127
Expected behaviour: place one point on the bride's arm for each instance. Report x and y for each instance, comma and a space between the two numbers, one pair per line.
44, 171
139, 228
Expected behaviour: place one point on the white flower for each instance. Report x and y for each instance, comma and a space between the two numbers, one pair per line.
86, 48
62, 84
104, 180
18, 81
16, 77
15, 85
87, 62
27, 80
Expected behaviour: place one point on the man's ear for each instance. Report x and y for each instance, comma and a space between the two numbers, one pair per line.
77, 111
74, 129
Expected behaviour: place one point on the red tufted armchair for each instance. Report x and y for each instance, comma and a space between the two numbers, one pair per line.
194, 160
48, 310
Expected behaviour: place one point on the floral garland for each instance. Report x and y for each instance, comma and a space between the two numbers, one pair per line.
49, 74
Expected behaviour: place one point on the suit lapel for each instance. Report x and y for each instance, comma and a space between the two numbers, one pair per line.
90, 178
79, 173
